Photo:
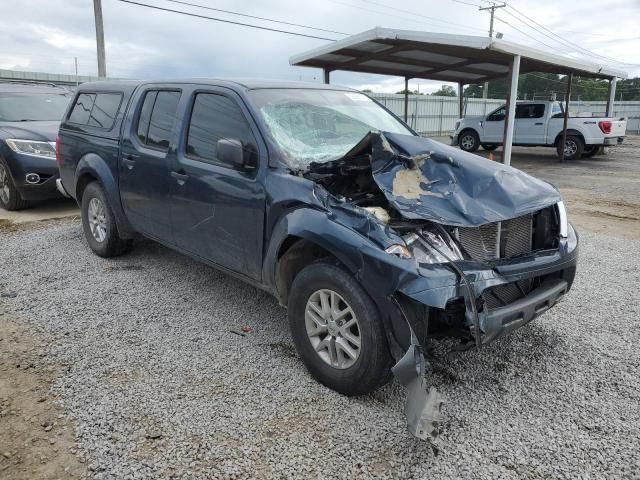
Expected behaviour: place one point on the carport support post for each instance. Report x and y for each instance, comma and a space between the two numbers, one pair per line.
460, 100
511, 110
566, 115
326, 72
406, 99
612, 96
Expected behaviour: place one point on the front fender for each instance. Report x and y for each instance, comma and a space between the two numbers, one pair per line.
379, 273
96, 167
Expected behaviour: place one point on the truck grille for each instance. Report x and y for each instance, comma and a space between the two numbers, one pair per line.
481, 243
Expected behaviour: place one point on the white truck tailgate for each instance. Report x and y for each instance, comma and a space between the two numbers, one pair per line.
618, 128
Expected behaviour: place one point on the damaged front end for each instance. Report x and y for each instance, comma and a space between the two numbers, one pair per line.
468, 248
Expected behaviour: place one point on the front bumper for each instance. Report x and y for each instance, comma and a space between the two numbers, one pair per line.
46, 170
447, 297
454, 139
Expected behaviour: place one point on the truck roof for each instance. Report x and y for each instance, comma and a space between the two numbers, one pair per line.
242, 83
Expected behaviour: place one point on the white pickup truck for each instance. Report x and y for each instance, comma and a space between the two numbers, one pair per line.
540, 124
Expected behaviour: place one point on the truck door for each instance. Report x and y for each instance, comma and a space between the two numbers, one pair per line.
530, 125
148, 147
217, 209
493, 127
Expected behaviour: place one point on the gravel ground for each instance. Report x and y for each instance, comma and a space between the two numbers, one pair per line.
158, 386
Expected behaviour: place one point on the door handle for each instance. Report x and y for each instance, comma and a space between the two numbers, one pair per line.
129, 161
180, 177
539, 123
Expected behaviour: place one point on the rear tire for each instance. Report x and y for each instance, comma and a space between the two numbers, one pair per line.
319, 333
591, 151
489, 148
573, 147
10, 198
99, 224
469, 140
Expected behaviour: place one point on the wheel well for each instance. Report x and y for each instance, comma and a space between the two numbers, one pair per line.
84, 180
294, 254
574, 133
468, 129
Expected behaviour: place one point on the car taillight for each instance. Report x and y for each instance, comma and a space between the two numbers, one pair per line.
58, 151
605, 126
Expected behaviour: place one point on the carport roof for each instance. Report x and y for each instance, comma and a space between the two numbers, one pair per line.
439, 56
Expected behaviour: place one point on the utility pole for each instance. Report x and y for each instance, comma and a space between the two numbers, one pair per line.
493, 8
485, 86
97, 12
76, 60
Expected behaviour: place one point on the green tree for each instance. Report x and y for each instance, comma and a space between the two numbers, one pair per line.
410, 92
445, 91
544, 85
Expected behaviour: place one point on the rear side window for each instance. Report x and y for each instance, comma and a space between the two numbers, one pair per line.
215, 117
530, 110
104, 111
96, 109
82, 109
157, 117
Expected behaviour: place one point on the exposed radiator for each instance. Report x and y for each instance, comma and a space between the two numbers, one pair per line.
514, 235
515, 238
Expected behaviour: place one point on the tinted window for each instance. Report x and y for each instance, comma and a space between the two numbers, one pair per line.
213, 118
145, 115
497, 115
530, 110
163, 117
82, 109
105, 109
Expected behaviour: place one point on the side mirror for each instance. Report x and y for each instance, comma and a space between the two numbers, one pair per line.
231, 152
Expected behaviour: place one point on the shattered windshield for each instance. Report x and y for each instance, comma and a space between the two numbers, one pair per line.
320, 125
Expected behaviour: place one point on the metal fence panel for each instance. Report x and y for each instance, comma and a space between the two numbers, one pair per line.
429, 115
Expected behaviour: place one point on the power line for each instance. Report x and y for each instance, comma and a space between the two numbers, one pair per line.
433, 19
227, 21
256, 17
524, 33
562, 39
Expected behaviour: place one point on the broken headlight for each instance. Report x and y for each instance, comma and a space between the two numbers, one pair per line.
427, 246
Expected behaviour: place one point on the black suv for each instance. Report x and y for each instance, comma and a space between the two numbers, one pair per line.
373, 237
30, 115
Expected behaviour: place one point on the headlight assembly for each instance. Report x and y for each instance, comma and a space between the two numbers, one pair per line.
430, 247
564, 224
33, 147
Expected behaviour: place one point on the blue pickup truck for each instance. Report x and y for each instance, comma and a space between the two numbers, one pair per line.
374, 238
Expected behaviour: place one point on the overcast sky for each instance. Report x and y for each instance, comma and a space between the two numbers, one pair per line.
46, 35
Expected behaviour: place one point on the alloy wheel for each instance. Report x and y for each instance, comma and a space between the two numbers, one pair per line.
570, 148
332, 328
467, 142
5, 194
97, 219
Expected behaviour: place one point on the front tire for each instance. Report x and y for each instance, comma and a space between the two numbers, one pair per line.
469, 141
99, 224
337, 330
10, 198
573, 147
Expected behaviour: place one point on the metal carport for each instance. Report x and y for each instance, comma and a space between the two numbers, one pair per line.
461, 59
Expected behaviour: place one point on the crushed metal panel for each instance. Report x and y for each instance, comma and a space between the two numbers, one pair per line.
451, 187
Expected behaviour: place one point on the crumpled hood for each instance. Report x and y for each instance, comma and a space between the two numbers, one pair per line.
424, 179
45, 131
